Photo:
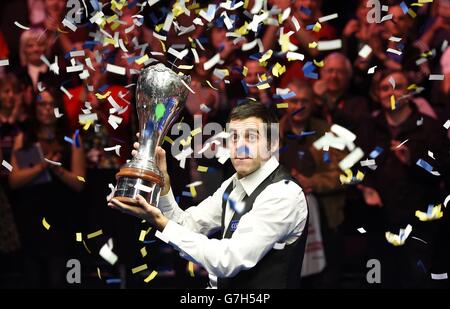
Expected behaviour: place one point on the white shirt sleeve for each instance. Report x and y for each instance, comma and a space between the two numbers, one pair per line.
278, 213
203, 218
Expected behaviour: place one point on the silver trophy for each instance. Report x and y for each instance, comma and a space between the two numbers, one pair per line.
160, 96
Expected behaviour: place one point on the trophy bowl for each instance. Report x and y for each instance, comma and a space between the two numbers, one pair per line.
160, 97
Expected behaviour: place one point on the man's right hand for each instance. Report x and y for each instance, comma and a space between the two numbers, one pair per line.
161, 163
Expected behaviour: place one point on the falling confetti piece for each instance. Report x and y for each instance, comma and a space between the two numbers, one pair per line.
79, 237
202, 169
95, 234
191, 269
143, 251
399, 240
361, 230
139, 269
4, 62
99, 274
21, 26
45, 224
7, 165
151, 276
433, 213
80, 178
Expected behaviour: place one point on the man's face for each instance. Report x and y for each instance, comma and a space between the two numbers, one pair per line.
336, 75
248, 145
254, 71
385, 91
303, 101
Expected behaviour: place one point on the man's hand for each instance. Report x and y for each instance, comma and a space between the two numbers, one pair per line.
161, 163
144, 211
401, 152
371, 196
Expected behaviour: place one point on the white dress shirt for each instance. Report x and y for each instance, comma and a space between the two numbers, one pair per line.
277, 218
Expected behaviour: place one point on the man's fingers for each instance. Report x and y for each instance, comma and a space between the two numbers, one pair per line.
137, 135
116, 204
136, 145
142, 202
134, 153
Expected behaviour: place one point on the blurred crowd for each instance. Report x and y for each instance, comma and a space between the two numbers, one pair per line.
388, 83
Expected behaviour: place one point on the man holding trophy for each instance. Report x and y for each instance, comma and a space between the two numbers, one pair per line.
262, 243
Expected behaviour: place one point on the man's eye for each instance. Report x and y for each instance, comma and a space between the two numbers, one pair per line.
234, 137
253, 137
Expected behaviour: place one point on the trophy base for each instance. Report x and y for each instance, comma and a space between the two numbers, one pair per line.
133, 181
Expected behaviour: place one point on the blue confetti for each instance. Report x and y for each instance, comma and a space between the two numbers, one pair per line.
404, 7
68, 139
376, 152
326, 157
186, 193
244, 85
309, 27
307, 11
77, 138
113, 281
425, 165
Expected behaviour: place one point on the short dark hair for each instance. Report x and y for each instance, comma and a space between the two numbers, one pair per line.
256, 109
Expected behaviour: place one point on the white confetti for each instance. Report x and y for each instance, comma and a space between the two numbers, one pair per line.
69, 24
115, 69
53, 162
351, 159
394, 51
211, 62
21, 26
447, 124
57, 113
142, 187
328, 17
371, 70
361, 230
114, 121
294, 56
106, 252
365, 51
4, 62
66, 92
436, 77
7, 165
442, 276
329, 45
115, 148
177, 54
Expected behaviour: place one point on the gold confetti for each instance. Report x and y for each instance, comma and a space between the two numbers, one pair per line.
196, 131
139, 268
282, 105
98, 273
278, 69
151, 276
202, 169
79, 237
80, 178
312, 45
144, 252
142, 59
193, 191
244, 71
86, 247
434, 214
102, 96
317, 27
95, 234
191, 269
319, 64
168, 139
45, 224
392, 102
263, 86
209, 84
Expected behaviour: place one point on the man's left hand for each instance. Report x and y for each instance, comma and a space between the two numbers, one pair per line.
144, 211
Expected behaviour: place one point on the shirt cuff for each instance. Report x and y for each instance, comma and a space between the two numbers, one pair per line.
171, 232
167, 202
